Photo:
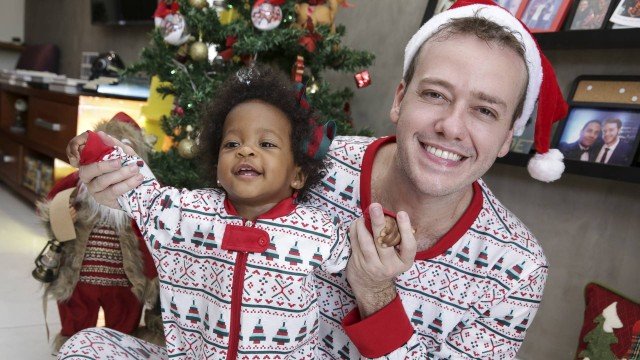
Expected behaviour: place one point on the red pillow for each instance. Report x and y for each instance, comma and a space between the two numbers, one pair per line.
597, 298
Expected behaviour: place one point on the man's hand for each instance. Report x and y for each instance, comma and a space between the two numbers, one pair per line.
105, 180
372, 270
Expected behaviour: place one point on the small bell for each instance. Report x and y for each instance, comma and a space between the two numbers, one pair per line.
48, 262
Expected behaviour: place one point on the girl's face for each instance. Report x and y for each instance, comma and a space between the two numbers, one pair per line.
255, 165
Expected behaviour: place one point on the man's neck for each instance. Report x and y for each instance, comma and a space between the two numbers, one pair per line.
431, 216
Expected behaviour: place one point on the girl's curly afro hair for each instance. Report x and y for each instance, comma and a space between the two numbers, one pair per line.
260, 82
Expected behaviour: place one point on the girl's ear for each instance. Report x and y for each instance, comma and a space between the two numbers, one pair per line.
299, 179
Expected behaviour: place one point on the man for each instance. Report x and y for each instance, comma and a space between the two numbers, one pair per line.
586, 147
614, 151
469, 282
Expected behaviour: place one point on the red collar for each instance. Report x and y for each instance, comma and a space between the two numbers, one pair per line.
284, 207
447, 240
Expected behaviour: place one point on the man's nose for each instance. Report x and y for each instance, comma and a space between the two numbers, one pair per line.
452, 124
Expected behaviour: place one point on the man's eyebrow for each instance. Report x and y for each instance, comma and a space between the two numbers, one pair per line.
490, 99
436, 81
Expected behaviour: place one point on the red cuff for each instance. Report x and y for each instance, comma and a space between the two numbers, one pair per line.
94, 150
381, 333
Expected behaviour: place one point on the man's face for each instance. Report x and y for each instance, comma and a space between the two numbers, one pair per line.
610, 133
454, 118
590, 134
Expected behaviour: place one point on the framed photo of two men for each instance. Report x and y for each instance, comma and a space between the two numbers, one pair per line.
603, 122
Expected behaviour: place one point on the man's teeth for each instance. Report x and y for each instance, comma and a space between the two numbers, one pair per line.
443, 153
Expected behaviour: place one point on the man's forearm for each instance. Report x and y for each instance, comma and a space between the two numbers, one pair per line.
372, 299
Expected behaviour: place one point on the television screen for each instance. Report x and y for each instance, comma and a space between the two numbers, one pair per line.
122, 12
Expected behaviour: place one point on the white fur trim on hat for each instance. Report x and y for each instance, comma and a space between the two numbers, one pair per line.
546, 167
501, 17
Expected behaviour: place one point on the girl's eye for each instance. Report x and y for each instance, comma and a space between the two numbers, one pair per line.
231, 144
267, 144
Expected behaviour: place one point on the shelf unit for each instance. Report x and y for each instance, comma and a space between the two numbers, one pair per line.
51, 120
589, 39
11, 46
621, 173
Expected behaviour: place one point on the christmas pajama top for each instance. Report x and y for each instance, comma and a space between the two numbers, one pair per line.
231, 288
470, 296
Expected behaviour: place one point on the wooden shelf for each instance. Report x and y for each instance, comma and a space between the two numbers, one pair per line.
590, 39
11, 46
621, 173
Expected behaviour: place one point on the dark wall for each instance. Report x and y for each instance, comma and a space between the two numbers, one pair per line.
67, 23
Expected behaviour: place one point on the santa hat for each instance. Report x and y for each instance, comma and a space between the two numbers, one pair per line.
547, 164
123, 117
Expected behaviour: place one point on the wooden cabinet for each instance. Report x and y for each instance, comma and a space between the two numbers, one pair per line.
51, 124
28, 162
27, 157
10, 155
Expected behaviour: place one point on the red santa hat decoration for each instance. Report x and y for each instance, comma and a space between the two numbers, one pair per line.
125, 118
546, 165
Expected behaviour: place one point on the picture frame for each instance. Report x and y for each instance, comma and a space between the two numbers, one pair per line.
603, 124
523, 144
434, 7
626, 13
511, 6
589, 14
543, 15
437, 6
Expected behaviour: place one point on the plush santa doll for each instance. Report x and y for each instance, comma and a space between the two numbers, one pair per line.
107, 265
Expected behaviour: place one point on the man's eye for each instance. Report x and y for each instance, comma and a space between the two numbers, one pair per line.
487, 112
432, 95
267, 144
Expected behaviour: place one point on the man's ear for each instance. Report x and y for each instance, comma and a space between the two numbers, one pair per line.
506, 146
394, 114
299, 179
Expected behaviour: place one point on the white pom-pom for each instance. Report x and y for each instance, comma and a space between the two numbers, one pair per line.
546, 167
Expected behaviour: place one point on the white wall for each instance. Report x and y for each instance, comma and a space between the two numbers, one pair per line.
11, 25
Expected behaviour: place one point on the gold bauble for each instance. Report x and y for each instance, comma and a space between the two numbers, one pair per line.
198, 51
187, 148
198, 4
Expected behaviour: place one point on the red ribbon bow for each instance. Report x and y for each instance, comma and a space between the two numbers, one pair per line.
227, 54
163, 9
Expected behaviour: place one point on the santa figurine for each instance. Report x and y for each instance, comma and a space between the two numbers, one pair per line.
103, 263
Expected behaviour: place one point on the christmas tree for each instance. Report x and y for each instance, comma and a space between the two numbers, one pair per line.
198, 43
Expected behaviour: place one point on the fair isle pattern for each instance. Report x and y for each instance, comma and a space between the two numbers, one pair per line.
184, 231
102, 264
475, 300
105, 343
